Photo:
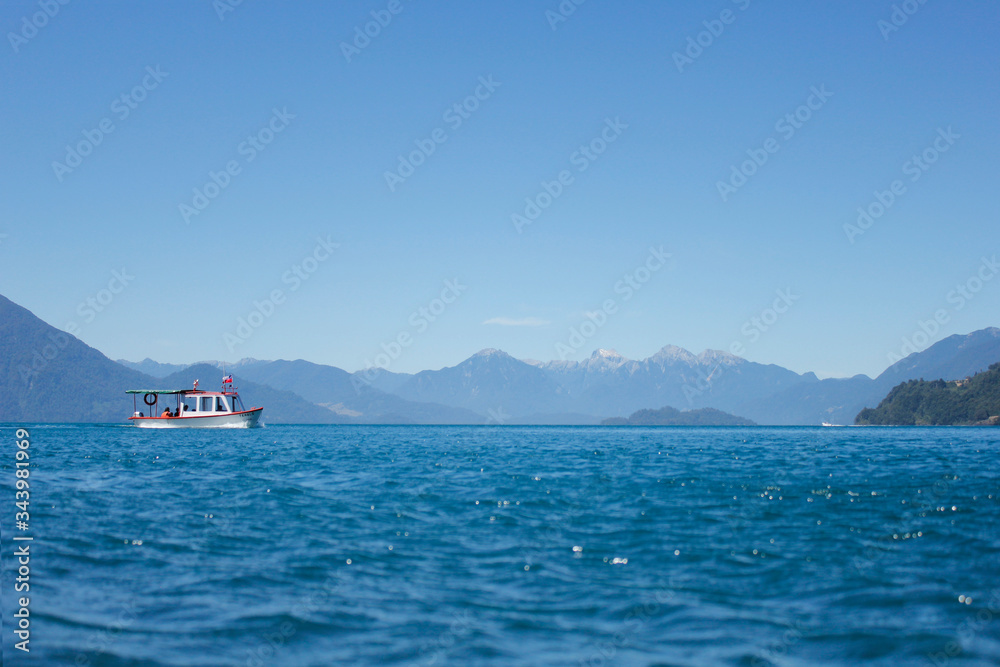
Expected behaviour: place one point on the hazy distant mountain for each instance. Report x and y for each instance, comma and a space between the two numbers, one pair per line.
153, 368
50, 376
381, 379
493, 387
161, 370
953, 358
611, 385
836, 401
608, 384
348, 395
492, 383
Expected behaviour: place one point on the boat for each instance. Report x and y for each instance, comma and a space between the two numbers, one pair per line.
193, 408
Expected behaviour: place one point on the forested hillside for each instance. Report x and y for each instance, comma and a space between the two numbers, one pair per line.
939, 403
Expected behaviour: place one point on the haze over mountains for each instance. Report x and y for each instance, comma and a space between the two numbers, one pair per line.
48, 375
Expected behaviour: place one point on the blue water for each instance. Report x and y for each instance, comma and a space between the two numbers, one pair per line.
508, 546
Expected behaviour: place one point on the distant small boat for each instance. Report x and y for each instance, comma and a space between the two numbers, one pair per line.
193, 408
829, 424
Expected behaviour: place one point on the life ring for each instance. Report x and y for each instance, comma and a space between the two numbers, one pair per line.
145, 399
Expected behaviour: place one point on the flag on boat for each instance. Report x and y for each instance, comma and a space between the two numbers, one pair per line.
227, 379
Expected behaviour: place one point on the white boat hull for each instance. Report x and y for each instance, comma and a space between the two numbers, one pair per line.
245, 419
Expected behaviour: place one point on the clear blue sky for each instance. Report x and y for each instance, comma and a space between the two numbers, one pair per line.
323, 175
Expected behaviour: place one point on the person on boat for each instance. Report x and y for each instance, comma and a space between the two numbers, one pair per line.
167, 413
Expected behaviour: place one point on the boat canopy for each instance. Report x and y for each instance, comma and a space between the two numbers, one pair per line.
157, 391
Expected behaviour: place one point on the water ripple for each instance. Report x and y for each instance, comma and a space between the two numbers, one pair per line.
515, 546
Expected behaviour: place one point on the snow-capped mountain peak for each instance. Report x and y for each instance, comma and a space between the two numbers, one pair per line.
604, 360
672, 354
716, 357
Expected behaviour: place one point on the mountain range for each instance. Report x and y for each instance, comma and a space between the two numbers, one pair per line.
48, 375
